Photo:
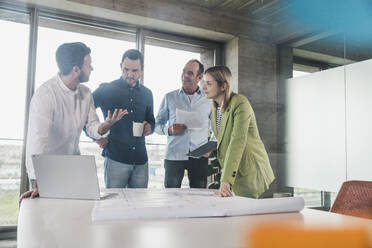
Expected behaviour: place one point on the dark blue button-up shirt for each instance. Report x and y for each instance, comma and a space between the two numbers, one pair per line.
123, 146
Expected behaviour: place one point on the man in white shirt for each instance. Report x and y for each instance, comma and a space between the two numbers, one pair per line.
61, 107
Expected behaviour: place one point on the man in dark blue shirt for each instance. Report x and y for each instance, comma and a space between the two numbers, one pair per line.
126, 161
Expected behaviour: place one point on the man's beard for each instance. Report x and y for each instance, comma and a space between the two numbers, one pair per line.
83, 78
131, 80
187, 83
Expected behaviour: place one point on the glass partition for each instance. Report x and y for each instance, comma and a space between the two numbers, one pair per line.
339, 37
359, 120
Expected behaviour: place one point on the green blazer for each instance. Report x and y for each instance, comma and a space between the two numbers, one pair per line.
240, 151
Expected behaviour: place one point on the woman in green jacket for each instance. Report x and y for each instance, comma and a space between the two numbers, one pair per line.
246, 169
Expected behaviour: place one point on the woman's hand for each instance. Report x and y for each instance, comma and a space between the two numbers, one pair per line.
206, 155
225, 190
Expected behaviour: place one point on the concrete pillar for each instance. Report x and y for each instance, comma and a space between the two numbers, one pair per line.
257, 81
207, 58
254, 68
232, 61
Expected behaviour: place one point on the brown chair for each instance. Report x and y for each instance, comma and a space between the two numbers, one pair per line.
355, 199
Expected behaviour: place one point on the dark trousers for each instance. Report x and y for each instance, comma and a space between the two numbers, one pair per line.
197, 171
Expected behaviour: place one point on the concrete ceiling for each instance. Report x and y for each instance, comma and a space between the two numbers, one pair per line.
263, 11
276, 14
317, 33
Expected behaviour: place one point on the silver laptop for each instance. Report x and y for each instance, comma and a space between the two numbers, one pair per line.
66, 176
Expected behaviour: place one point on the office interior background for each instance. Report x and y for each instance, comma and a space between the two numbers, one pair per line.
304, 65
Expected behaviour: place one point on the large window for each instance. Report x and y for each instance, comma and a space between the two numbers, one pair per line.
164, 62
107, 48
108, 40
163, 67
13, 63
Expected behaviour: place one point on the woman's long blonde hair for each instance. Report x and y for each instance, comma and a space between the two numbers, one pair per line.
222, 75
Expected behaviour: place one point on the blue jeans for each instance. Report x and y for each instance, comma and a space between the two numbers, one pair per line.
120, 175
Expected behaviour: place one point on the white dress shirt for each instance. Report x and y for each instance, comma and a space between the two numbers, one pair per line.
57, 117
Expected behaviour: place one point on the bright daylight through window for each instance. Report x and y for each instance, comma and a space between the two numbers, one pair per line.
13, 64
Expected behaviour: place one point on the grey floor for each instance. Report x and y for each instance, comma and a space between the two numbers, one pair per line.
8, 243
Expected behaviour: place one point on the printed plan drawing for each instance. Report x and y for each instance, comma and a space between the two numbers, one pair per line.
185, 203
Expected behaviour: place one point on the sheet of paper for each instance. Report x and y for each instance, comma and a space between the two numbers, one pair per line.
190, 119
186, 203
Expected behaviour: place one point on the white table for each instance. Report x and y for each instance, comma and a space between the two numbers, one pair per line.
67, 223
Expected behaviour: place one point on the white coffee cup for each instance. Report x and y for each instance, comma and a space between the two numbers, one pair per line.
137, 129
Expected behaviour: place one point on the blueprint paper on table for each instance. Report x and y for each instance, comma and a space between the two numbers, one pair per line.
191, 119
186, 203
